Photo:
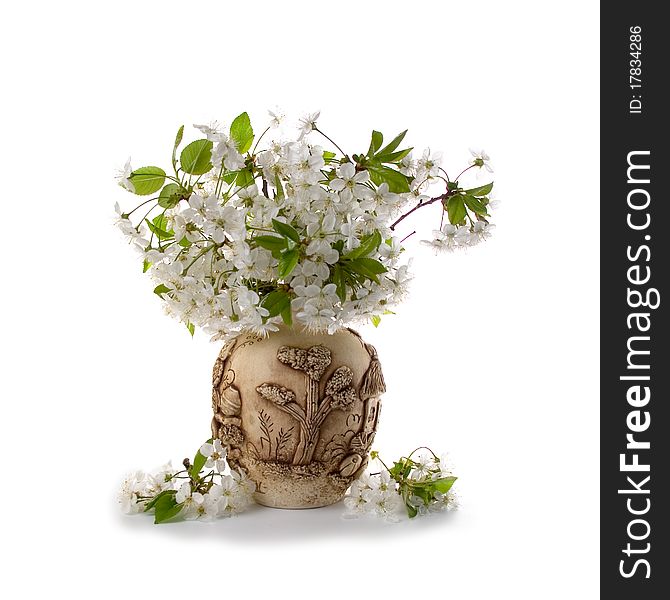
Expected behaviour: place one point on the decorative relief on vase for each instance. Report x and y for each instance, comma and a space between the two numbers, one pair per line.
300, 426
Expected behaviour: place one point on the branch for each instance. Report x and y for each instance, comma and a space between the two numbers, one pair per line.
421, 204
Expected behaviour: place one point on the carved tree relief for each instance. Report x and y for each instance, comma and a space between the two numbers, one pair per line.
338, 394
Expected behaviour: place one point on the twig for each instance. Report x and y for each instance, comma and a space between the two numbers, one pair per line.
411, 234
421, 204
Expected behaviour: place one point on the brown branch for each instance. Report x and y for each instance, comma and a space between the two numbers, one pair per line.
421, 204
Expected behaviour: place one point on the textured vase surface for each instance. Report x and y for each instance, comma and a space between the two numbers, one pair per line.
297, 412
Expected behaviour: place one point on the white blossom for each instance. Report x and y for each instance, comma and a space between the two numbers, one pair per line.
429, 164
190, 499
481, 231
276, 118
308, 124
213, 273
387, 505
160, 480
425, 465
213, 131
350, 184
132, 487
123, 177
481, 159
215, 454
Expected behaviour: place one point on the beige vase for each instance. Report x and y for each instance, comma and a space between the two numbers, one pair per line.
297, 412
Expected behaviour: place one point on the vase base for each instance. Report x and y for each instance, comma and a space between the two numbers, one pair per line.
264, 502
297, 487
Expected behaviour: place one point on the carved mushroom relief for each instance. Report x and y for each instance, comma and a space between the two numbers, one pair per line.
298, 412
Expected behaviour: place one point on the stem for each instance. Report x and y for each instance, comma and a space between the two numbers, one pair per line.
217, 188
413, 232
259, 140
383, 463
421, 204
446, 174
202, 252
141, 205
332, 142
421, 448
464, 170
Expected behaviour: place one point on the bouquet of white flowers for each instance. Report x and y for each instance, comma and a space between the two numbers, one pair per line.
241, 237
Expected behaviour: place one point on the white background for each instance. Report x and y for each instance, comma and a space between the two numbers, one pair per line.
493, 358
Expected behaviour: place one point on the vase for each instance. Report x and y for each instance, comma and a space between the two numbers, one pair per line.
297, 412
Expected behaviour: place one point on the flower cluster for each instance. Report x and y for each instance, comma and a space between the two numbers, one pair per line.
243, 239
189, 493
420, 482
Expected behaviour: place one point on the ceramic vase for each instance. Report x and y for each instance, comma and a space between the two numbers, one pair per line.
297, 412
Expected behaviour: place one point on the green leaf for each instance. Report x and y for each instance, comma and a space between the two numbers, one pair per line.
179, 137
198, 463
475, 205
196, 158
456, 209
270, 242
444, 484
397, 469
177, 140
276, 302
279, 194
375, 143
368, 246
170, 195
286, 230
397, 182
149, 505
287, 315
371, 264
230, 177
245, 178
166, 508
393, 157
146, 265
423, 491
376, 320
411, 510
480, 191
328, 156
242, 133
287, 262
147, 180
395, 142
161, 289
159, 227
368, 267
191, 328
340, 283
